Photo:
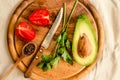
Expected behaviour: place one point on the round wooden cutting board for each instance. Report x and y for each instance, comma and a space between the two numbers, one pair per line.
64, 71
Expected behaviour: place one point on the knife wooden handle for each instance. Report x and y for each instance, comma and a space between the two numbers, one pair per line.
35, 61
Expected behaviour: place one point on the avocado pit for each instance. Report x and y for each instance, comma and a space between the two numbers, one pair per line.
84, 46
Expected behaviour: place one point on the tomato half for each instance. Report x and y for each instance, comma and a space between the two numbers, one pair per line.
40, 17
25, 32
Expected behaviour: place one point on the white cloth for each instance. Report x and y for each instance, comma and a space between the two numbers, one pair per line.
108, 67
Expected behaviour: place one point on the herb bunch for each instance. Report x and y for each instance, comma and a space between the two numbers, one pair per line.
62, 47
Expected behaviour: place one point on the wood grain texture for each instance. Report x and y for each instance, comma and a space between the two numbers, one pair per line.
64, 71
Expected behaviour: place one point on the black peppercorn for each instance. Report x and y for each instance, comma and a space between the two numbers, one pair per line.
29, 49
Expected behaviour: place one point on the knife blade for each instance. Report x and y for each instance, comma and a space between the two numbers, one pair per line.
46, 42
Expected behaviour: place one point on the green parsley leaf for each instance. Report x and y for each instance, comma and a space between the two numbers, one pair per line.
66, 56
47, 67
68, 44
60, 51
41, 64
47, 58
64, 38
55, 61
59, 39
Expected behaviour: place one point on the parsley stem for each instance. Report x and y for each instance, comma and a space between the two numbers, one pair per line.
64, 16
55, 50
70, 16
63, 27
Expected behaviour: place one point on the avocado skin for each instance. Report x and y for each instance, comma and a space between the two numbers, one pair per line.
83, 25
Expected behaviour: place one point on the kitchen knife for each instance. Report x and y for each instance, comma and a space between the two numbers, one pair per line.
45, 44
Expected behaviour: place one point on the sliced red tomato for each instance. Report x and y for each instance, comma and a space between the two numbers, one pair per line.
25, 32
40, 17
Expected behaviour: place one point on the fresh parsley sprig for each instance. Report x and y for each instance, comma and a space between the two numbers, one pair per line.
63, 41
62, 46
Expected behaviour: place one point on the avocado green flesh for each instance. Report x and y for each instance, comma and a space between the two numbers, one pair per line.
83, 25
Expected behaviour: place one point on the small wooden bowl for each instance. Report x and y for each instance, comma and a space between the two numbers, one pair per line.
64, 71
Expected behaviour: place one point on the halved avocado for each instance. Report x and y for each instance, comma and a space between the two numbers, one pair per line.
84, 45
